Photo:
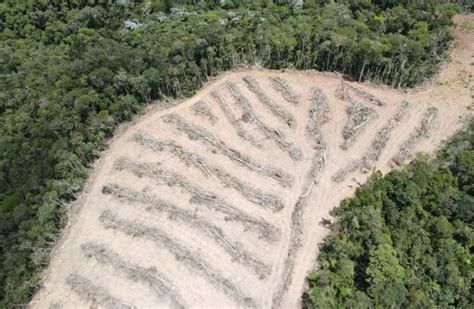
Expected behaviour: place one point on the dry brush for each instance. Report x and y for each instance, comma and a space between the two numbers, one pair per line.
420, 133
91, 293
150, 276
276, 136
199, 196
358, 116
368, 97
190, 259
202, 109
234, 249
195, 132
277, 110
371, 156
251, 193
316, 118
236, 124
282, 86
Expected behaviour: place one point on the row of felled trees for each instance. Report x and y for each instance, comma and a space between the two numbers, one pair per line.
70, 71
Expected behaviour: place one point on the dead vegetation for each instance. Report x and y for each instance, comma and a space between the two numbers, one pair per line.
420, 133
202, 109
371, 156
252, 194
234, 249
382, 136
297, 225
368, 97
190, 259
195, 200
282, 86
241, 132
358, 116
316, 118
277, 110
276, 136
199, 196
317, 115
94, 294
156, 281
195, 132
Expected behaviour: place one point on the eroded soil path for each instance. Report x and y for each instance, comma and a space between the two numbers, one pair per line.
218, 201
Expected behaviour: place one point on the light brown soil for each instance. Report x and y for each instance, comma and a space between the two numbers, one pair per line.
198, 252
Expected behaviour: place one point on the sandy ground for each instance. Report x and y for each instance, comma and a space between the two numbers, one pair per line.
187, 224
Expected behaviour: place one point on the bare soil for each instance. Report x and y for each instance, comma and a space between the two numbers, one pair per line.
217, 201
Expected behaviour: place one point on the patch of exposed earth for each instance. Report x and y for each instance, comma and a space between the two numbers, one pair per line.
217, 202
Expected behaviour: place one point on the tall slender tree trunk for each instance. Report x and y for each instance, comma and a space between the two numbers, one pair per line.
362, 71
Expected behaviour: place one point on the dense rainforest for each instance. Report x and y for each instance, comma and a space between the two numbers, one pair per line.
404, 240
71, 71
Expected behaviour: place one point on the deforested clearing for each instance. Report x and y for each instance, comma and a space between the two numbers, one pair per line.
217, 201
